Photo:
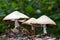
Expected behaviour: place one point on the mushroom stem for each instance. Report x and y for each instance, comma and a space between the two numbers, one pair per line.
44, 29
32, 28
16, 23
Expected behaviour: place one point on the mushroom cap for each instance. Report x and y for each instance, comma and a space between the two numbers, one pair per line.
30, 21
21, 20
15, 15
45, 20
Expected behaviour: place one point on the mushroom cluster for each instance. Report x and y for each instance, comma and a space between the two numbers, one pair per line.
17, 16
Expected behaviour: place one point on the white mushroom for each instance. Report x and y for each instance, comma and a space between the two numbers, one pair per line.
45, 20
30, 22
14, 16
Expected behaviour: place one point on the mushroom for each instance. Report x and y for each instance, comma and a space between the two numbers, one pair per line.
30, 22
45, 20
14, 16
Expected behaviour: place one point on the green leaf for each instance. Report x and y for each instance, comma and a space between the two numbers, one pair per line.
14, 5
29, 9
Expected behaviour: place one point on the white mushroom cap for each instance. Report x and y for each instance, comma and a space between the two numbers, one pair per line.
45, 20
15, 15
21, 20
30, 21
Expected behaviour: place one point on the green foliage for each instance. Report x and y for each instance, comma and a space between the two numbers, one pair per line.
29, 9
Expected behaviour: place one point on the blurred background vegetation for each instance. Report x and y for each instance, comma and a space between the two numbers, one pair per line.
32, 8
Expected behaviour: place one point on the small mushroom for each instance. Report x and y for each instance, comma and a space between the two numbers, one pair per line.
30, 22
14, 16
43, 20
